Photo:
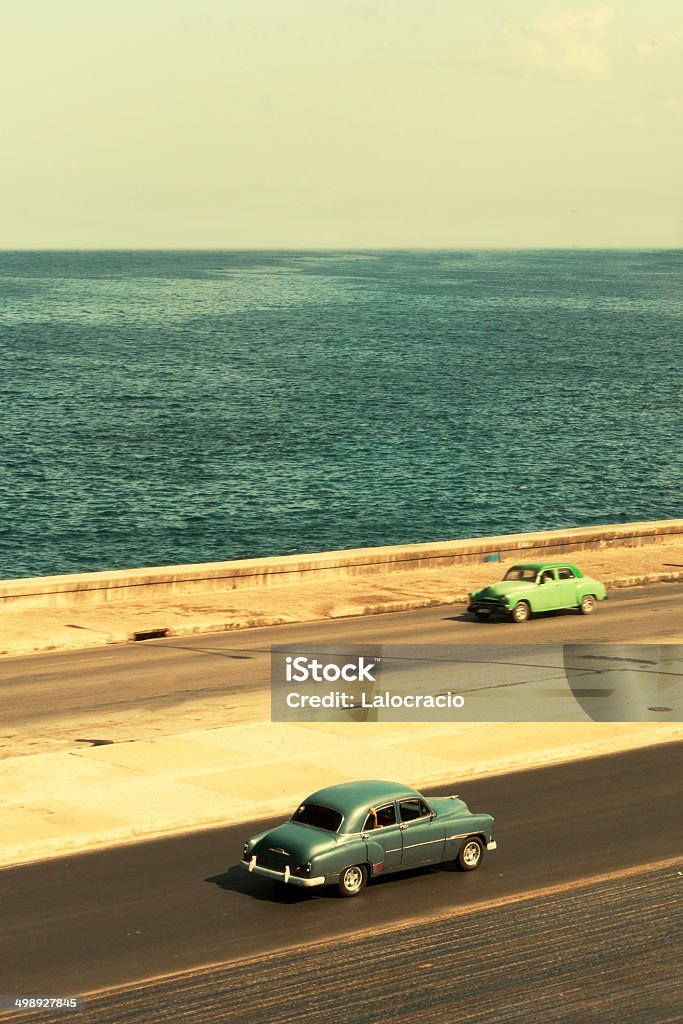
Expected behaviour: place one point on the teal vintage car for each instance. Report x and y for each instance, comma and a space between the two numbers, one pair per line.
344, 835
537, 587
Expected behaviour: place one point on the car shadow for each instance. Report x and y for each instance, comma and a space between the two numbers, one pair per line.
469, 617
237, 880
506, 620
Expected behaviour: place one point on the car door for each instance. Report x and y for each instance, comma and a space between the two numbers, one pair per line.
547, 594
424, 837
382, 827
568, 587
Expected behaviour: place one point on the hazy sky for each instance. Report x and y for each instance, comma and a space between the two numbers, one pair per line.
340, 123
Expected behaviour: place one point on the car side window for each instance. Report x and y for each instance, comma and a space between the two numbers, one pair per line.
412, 809
566, 574
547, 576
380, 817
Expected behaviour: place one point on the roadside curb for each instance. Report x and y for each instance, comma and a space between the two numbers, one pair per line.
642, 581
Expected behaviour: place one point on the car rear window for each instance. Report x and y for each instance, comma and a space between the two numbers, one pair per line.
318, 817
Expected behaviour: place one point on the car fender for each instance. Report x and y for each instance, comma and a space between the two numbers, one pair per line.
331, 862
367, 852
528, 597
589, 586
374, 854
599, 590
524, 592
479, 825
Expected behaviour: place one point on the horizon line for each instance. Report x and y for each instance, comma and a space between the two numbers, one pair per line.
363, 249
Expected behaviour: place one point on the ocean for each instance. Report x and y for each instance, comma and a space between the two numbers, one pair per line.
173, 407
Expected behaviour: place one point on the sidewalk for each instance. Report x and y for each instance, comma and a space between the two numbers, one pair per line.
75, 627
56, 804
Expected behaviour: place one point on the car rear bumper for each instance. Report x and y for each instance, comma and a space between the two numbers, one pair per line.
285, 876
492, 845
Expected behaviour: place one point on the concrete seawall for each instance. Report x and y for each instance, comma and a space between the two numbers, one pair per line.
98, 588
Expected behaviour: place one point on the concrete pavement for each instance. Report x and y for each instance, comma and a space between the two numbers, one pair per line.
52, 804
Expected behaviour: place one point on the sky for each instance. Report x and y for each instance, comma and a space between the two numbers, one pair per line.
236, 124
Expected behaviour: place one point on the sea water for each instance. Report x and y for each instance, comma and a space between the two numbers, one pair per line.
171, 407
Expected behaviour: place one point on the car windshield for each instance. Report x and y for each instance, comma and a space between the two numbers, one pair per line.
519, 572
318, 817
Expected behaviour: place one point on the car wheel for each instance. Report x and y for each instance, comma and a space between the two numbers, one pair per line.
470, 855
482, 616
352, 880
587, 604
521, 611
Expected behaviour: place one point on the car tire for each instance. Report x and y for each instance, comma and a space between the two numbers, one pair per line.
521, 612
470, 855
352, 880
587, 604
482, 616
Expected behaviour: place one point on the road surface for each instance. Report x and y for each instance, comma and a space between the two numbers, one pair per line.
598, 844
52, 701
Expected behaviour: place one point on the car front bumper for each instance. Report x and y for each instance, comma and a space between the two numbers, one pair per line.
285, 876
493, 607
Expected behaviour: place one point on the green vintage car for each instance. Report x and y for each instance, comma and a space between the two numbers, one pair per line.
537, 587
347, 834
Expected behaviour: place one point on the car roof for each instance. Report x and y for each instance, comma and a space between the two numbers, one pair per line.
354, 798
537, 566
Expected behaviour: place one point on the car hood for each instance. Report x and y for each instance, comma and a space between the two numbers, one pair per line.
448, 806
505, 588
297, 842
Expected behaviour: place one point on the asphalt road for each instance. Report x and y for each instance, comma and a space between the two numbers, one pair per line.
608, 952
82, 923
50, 701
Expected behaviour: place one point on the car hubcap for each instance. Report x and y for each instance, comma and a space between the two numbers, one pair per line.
471, 854
353, 879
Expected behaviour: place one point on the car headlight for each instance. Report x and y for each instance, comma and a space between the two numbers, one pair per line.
245, 851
